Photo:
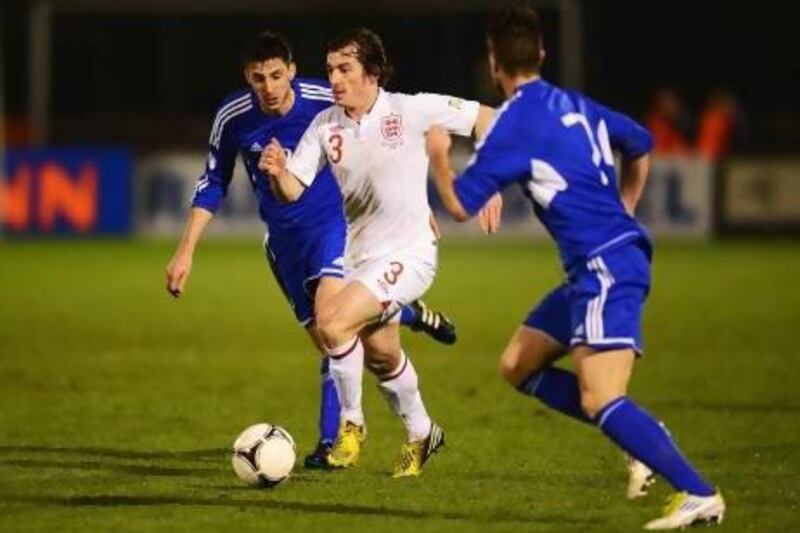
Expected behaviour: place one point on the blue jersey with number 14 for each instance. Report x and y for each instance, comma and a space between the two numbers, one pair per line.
558, 146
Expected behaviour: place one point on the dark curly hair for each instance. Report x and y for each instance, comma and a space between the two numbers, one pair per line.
369, 52
266, 45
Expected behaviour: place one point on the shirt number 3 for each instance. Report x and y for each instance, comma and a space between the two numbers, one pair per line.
335, 141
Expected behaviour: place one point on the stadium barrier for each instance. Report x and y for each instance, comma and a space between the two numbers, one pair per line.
759, 195
66, 191
678, 200
90, 192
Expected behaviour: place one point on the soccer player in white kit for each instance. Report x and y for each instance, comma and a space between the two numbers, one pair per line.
374, 141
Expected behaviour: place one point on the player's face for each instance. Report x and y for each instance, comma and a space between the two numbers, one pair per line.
352, 87
271, 80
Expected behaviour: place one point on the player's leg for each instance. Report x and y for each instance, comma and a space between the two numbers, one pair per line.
603, 380
527, 365
609, 294
527, 361
339, 321
306, 268
329, 407
399, 384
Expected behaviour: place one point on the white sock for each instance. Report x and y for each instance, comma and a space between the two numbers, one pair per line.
401, 390
347, 369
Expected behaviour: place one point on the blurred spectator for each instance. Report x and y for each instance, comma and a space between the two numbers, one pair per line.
716, 125
669, 123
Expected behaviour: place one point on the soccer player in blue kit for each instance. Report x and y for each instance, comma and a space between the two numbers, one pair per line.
305, 240
557, 145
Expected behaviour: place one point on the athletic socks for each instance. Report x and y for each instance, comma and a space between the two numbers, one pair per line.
347, 367
329, 405
401, 390
639, 434
558, 389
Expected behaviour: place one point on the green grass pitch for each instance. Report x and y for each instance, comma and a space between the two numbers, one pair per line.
118, 404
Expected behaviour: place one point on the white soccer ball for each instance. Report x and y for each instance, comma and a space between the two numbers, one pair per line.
263, 455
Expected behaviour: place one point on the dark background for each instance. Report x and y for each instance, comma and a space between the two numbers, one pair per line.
152, 78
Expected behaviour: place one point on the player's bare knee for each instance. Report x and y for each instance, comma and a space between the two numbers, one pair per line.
510, 369
380, 363
331, 328
590, 403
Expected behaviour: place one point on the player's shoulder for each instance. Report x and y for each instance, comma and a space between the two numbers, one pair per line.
313, 89
542, 101
424, 98
233, 106
422, 103
311, 84
238, 100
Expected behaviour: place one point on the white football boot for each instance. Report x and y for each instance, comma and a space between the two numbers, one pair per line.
640, 478
684, 509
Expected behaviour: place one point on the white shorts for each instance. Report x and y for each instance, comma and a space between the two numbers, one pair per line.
399, 278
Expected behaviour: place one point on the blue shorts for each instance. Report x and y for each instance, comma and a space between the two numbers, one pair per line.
600, 304
299, 259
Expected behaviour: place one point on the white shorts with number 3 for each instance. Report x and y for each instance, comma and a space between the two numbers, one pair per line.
399, 278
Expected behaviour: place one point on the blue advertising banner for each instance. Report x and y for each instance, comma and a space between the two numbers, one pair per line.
67, 191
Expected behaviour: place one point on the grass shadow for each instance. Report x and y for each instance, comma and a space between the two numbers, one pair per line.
504, 517
139, 470
114, 453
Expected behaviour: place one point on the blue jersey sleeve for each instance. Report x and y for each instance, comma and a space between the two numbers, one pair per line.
498, 162
212, 186
626, 135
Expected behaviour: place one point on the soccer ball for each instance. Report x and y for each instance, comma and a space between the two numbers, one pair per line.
263, 455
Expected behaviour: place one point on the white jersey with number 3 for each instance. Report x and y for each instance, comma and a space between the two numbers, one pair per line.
381, 166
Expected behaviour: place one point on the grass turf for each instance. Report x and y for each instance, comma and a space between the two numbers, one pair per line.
118, 404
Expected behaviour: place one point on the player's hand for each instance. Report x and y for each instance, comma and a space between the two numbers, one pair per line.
489, 217
437, 142
178, 271
273, 158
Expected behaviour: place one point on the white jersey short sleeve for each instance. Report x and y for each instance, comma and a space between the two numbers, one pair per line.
454, 114
308, 158
381, 166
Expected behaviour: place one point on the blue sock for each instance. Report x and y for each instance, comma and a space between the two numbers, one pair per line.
407, 316
639, 434
329, 406
558, 389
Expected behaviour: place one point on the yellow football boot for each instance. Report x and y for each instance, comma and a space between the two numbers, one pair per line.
347, 448
413, 455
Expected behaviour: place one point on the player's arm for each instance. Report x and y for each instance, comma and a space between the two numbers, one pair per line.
180, 266
438, 146
632, 178
483, 121
491, 214
291, 176
461, 117
284, 184
634, 144
211, 190
437, 143
498, 162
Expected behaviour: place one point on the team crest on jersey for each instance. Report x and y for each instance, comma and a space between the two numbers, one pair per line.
392, 130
